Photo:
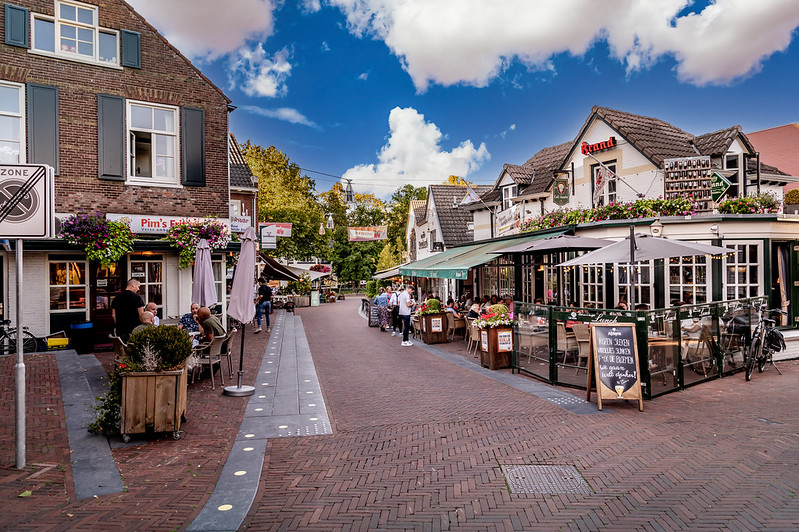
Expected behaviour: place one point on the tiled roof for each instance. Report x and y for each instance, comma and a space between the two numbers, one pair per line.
240, 174
544, 163
454, 221
521, 175
779, 147
716, 143
419, 210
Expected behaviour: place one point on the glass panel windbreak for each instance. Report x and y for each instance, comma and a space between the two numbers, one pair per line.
531, 343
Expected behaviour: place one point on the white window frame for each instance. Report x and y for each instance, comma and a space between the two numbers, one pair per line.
236, 207
694, 263
508, 193
644, 286
732, 261
591, 282
59, 23
22, 157
67, 286
607, 196
145, 281
132, 178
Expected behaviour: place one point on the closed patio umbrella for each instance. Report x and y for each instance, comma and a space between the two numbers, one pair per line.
241, 306
203, 289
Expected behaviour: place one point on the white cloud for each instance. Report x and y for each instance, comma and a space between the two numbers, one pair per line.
311, 6
287, 114
325, 47
473, 41
204, 29
257, 74
413, 155
511, 127
364, 76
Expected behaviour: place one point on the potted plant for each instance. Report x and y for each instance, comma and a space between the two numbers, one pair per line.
148, 388
433, 322
103, 240
496, 337
185, 236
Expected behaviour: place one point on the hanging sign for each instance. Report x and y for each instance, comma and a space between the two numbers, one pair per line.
719, 185
27, 198
365, 234
283, 229
509, 221
603, 173
268, 237
560, 194
614, 360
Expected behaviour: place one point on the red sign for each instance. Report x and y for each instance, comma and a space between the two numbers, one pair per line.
599, 146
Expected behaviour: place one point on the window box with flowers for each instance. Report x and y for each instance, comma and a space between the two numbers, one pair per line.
103, 240
496, 337
185, 236
433, 322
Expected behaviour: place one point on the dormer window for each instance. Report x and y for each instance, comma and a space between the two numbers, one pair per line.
508, 193
74, 33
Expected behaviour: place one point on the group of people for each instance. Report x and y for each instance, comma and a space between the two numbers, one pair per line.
394, 309
130, 315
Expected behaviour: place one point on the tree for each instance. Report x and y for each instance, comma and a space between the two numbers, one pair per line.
388, 257
455, 180
397, 216
285, 195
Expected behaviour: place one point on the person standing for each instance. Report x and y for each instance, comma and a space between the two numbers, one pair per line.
126, 309
393, 307
406, 304
382, 309
263, 304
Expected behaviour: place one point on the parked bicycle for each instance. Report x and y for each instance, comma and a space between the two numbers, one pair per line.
8, 339
766, 341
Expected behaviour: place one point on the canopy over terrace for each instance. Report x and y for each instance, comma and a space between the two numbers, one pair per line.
388, 274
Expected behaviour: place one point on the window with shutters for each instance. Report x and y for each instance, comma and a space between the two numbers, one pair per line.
74, 33
12, 123
152, 143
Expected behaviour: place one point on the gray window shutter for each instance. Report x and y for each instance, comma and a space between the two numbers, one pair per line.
16, 26
131, 48
43, 125
192, 141
111, 137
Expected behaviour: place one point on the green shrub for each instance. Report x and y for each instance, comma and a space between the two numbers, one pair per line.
499, 308
792, 197
158, 348
371, 288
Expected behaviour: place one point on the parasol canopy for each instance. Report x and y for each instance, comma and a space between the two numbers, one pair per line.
203, 289
241, 306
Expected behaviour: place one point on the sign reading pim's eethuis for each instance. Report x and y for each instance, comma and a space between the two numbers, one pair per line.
365, 234
27, 201
154, 224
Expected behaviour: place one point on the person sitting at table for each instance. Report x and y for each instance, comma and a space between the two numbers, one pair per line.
146, 321
508, 301
622, 305
210, 326
474, 311
153, 309
494, 299
451, 308
485, 303
188, 321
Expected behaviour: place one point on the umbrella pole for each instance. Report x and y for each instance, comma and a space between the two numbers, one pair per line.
631, 295
239, 390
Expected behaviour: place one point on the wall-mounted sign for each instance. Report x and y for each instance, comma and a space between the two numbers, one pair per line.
599, 146
509, 221
159, 225
268, 237
365, 234
614, 361
719, 185
689, 176
239, 224
26, 194
560, 191
283, 229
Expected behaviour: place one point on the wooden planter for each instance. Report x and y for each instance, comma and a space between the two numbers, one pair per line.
496, 347
434, 328
153, 400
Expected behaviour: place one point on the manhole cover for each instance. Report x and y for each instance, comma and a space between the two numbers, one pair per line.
545, 479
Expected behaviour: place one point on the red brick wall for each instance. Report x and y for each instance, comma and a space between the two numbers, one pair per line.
165, 77
249, 205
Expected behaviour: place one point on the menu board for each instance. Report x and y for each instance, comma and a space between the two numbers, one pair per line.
614, 361
373, 320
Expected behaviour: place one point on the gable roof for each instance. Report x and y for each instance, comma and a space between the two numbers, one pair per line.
544, 164
240, 174
778, 146
454, 221
419, 211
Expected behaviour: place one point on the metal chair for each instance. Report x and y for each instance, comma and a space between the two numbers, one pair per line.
227, 353
209, 354
120, 348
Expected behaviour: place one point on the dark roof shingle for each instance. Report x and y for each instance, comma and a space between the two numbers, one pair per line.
240, 174
454, 221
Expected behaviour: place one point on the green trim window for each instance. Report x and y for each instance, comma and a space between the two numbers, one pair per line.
689, 280
592, 287
643, 285
742, 271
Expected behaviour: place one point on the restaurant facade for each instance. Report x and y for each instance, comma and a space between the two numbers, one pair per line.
132, 130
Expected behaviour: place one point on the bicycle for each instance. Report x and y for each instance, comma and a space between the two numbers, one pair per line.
766, 340
8, 339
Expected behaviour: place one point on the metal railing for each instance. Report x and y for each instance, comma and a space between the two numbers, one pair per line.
677, 347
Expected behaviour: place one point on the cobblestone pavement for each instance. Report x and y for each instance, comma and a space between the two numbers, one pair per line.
420, 443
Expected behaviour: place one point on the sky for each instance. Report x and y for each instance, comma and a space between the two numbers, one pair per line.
391, 92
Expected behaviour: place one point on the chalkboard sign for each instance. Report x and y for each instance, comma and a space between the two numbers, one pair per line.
373, 321
614, 360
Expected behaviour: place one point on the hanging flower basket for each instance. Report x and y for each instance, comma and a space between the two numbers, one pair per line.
185, 236
103, 240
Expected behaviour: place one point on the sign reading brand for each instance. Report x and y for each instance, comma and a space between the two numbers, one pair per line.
719, 185
158, 225
561, 192
599, 146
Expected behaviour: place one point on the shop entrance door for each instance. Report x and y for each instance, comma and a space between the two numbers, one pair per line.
107, 282
781, 281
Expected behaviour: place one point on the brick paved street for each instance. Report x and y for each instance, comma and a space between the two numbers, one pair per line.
419, 444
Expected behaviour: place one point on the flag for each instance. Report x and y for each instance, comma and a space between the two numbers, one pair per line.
471, 196
602, 175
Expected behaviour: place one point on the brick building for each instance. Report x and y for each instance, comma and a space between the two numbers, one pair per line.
131, 128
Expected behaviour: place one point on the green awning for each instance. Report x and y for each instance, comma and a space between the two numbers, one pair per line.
455, 263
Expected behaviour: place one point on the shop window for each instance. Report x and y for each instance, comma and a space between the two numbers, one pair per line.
74, 33
508, 193
608, 193
12, 123
688, 280
149, 271
592, 287
643, 285
528, 278
67, 284
220, 275
742, 271
152, 143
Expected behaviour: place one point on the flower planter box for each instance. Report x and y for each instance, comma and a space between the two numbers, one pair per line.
434, 328
496, 347
154, 401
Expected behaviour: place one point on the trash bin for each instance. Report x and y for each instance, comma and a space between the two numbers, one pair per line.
81, 337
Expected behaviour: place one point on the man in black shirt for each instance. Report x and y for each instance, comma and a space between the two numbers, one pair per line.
263, 304
127, 309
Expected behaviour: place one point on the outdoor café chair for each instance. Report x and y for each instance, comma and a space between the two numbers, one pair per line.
227, 353
120, 348
453, 325
567, 343
474, 336
417, 327
210, 354
583, 336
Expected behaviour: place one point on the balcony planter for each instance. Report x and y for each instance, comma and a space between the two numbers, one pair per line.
496, 347
153, 401
434, 328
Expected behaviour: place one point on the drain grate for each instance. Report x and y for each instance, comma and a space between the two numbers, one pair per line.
545, 479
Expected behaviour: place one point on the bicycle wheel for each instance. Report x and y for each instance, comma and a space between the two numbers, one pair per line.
30, 343
761, 362
754, 353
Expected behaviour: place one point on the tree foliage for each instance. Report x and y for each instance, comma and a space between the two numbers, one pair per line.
397, 217
389, 257
456, 180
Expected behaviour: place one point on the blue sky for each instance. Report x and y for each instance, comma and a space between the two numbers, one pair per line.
389, 92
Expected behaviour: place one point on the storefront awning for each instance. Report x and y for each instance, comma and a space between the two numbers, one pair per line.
274, 271
310, 273
388, 274
455, 263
